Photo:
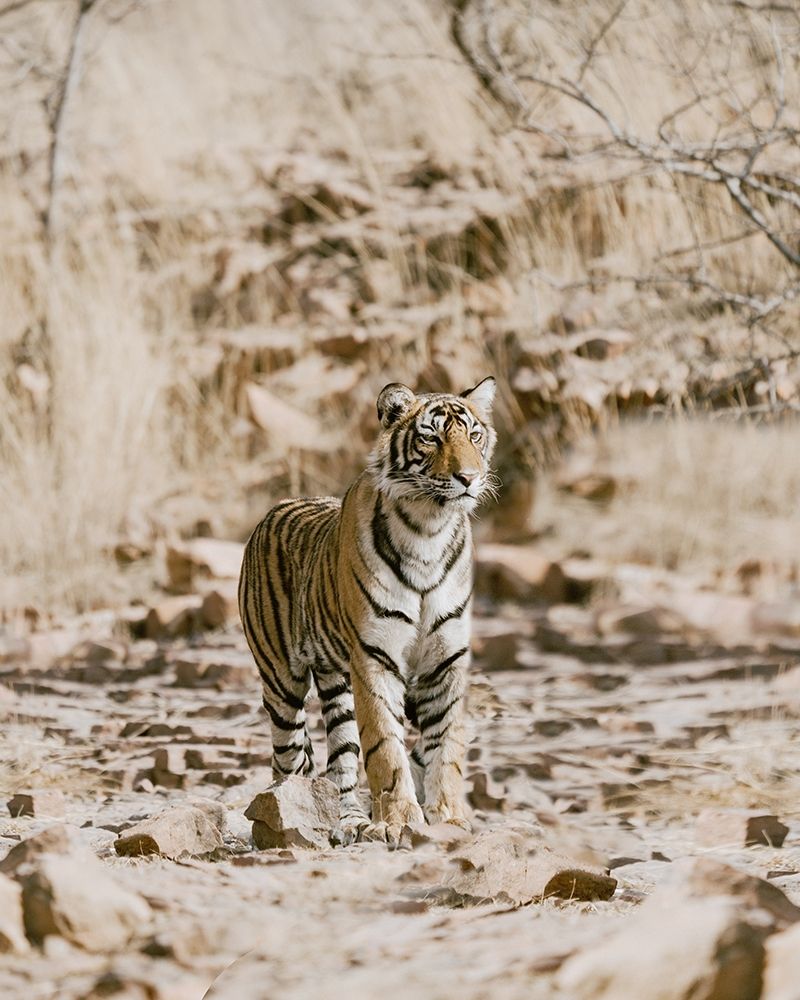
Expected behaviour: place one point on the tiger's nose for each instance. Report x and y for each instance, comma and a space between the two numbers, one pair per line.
466, 477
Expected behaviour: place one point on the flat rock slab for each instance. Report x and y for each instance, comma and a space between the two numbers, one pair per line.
518, 572
202, 559
297, 812
57, 839
702, 878
507, 865
441, 834
38, 803
701, 949
172, 833
782, 970
739, 827
74, 897
173, 616
12, 928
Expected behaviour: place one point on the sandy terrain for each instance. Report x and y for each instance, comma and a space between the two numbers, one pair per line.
603, 747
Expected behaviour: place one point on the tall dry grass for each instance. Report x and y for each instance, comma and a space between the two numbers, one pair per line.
692, 492
85, 435
168, 144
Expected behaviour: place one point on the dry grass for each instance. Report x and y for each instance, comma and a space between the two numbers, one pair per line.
84, 437
757, 768
146, 199
28, 759
693, 493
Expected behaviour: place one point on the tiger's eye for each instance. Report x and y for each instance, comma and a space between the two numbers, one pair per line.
476, 435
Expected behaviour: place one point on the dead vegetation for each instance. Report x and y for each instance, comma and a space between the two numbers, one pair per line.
599, 205
692, 493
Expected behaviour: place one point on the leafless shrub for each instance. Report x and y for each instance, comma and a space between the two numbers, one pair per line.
702, 100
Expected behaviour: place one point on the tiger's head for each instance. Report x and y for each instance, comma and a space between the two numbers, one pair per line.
435, 446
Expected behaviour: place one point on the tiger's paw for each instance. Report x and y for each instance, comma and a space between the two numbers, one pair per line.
384, 833
395, 816
350, 829
441, 812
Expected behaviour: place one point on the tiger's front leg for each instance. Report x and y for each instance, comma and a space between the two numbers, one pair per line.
439, 703
379, 691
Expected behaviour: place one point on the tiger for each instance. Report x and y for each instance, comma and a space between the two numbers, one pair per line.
370, 598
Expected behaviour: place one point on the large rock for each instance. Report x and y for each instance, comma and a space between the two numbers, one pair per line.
782, 972
698, 949
57, 839
780, 618
704, 877
518, 573
202, 559
286, 425
75, 897
172, 833
512, 865
297, 812
12, 930
174, 616
699, 937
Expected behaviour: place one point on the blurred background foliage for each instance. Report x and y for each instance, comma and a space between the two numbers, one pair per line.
227, 223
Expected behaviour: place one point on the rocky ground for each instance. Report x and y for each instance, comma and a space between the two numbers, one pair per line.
632, 777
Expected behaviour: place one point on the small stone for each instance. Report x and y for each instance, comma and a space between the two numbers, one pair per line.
224, 778
221, 605
500, 651
739, 828
172, 833
100, 652
38, 802
486, 793
297, 812
169, 767
407, 906
599, 345
639, 621
584, 577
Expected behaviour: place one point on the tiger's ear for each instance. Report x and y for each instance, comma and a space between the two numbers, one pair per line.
481, 397
394, 400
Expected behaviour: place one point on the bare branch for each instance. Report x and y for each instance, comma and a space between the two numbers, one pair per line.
604, 29
734, 186
58, 105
